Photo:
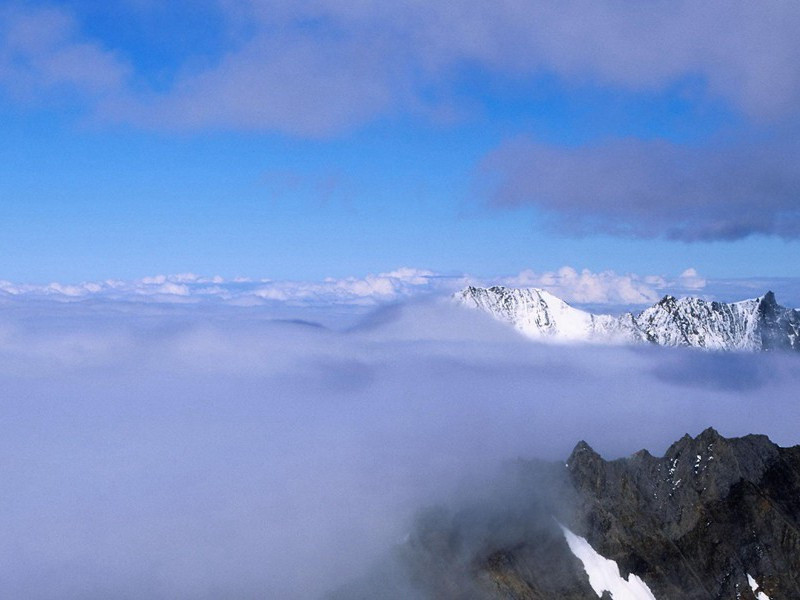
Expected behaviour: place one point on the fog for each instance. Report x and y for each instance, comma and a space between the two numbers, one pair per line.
209, 452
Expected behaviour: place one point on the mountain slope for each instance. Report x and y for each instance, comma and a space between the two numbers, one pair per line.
713, 518
749, 325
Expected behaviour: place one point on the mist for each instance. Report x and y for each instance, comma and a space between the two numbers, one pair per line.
222, 451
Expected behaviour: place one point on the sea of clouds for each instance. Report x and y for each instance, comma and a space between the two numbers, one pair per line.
600, 291
185, 450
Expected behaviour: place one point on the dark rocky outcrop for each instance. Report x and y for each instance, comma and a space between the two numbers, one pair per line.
691, 524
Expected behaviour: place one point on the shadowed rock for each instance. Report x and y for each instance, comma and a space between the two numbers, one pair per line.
692, 524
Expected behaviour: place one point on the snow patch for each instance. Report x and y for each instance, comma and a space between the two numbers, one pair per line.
755, 587
604, 573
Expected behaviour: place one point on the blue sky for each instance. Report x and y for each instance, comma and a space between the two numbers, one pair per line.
260, 139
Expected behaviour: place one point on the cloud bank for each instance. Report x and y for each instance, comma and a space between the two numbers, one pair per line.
218, 452
653, 189
367, 291
603, 291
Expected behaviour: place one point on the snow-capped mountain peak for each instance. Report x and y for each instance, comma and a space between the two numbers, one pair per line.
539, 314
748, 325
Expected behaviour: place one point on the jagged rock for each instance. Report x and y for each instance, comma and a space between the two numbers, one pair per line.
749, 325
698, 523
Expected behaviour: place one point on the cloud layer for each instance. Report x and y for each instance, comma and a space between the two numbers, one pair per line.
216, 452
322, 66
190, 288
585, 287
604, 291
653, 188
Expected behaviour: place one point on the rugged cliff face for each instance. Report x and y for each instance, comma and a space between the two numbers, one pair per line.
758, 324
713, 518
749, 325
697, 521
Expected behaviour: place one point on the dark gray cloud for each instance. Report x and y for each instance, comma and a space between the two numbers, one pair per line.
653, 188
207, 452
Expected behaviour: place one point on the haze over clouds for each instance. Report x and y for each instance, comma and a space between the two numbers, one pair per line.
185, 453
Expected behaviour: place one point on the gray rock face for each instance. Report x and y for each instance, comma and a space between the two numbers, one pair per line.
749, 325
696, 524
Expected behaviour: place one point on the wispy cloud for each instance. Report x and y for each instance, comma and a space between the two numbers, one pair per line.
45, 57
321, 67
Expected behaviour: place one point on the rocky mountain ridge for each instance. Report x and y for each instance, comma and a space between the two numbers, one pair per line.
714, 518
759, 324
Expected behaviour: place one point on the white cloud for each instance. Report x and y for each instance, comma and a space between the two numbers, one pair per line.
584, 287
172, 288
579, 287
9, 288
692, 280
587, 287
607, 287
366, 291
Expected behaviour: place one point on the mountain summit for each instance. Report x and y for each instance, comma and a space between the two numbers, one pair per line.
713, 518
749, 325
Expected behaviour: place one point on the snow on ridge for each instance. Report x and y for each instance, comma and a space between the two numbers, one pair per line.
604, 575
748, 325
540, 315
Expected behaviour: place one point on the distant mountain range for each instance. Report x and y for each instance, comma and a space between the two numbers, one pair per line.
714, 518
750, 325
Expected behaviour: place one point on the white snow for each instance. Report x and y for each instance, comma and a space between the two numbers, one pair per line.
754, 586
671, 322
540, 315
702, 324
604, 573
672, 467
